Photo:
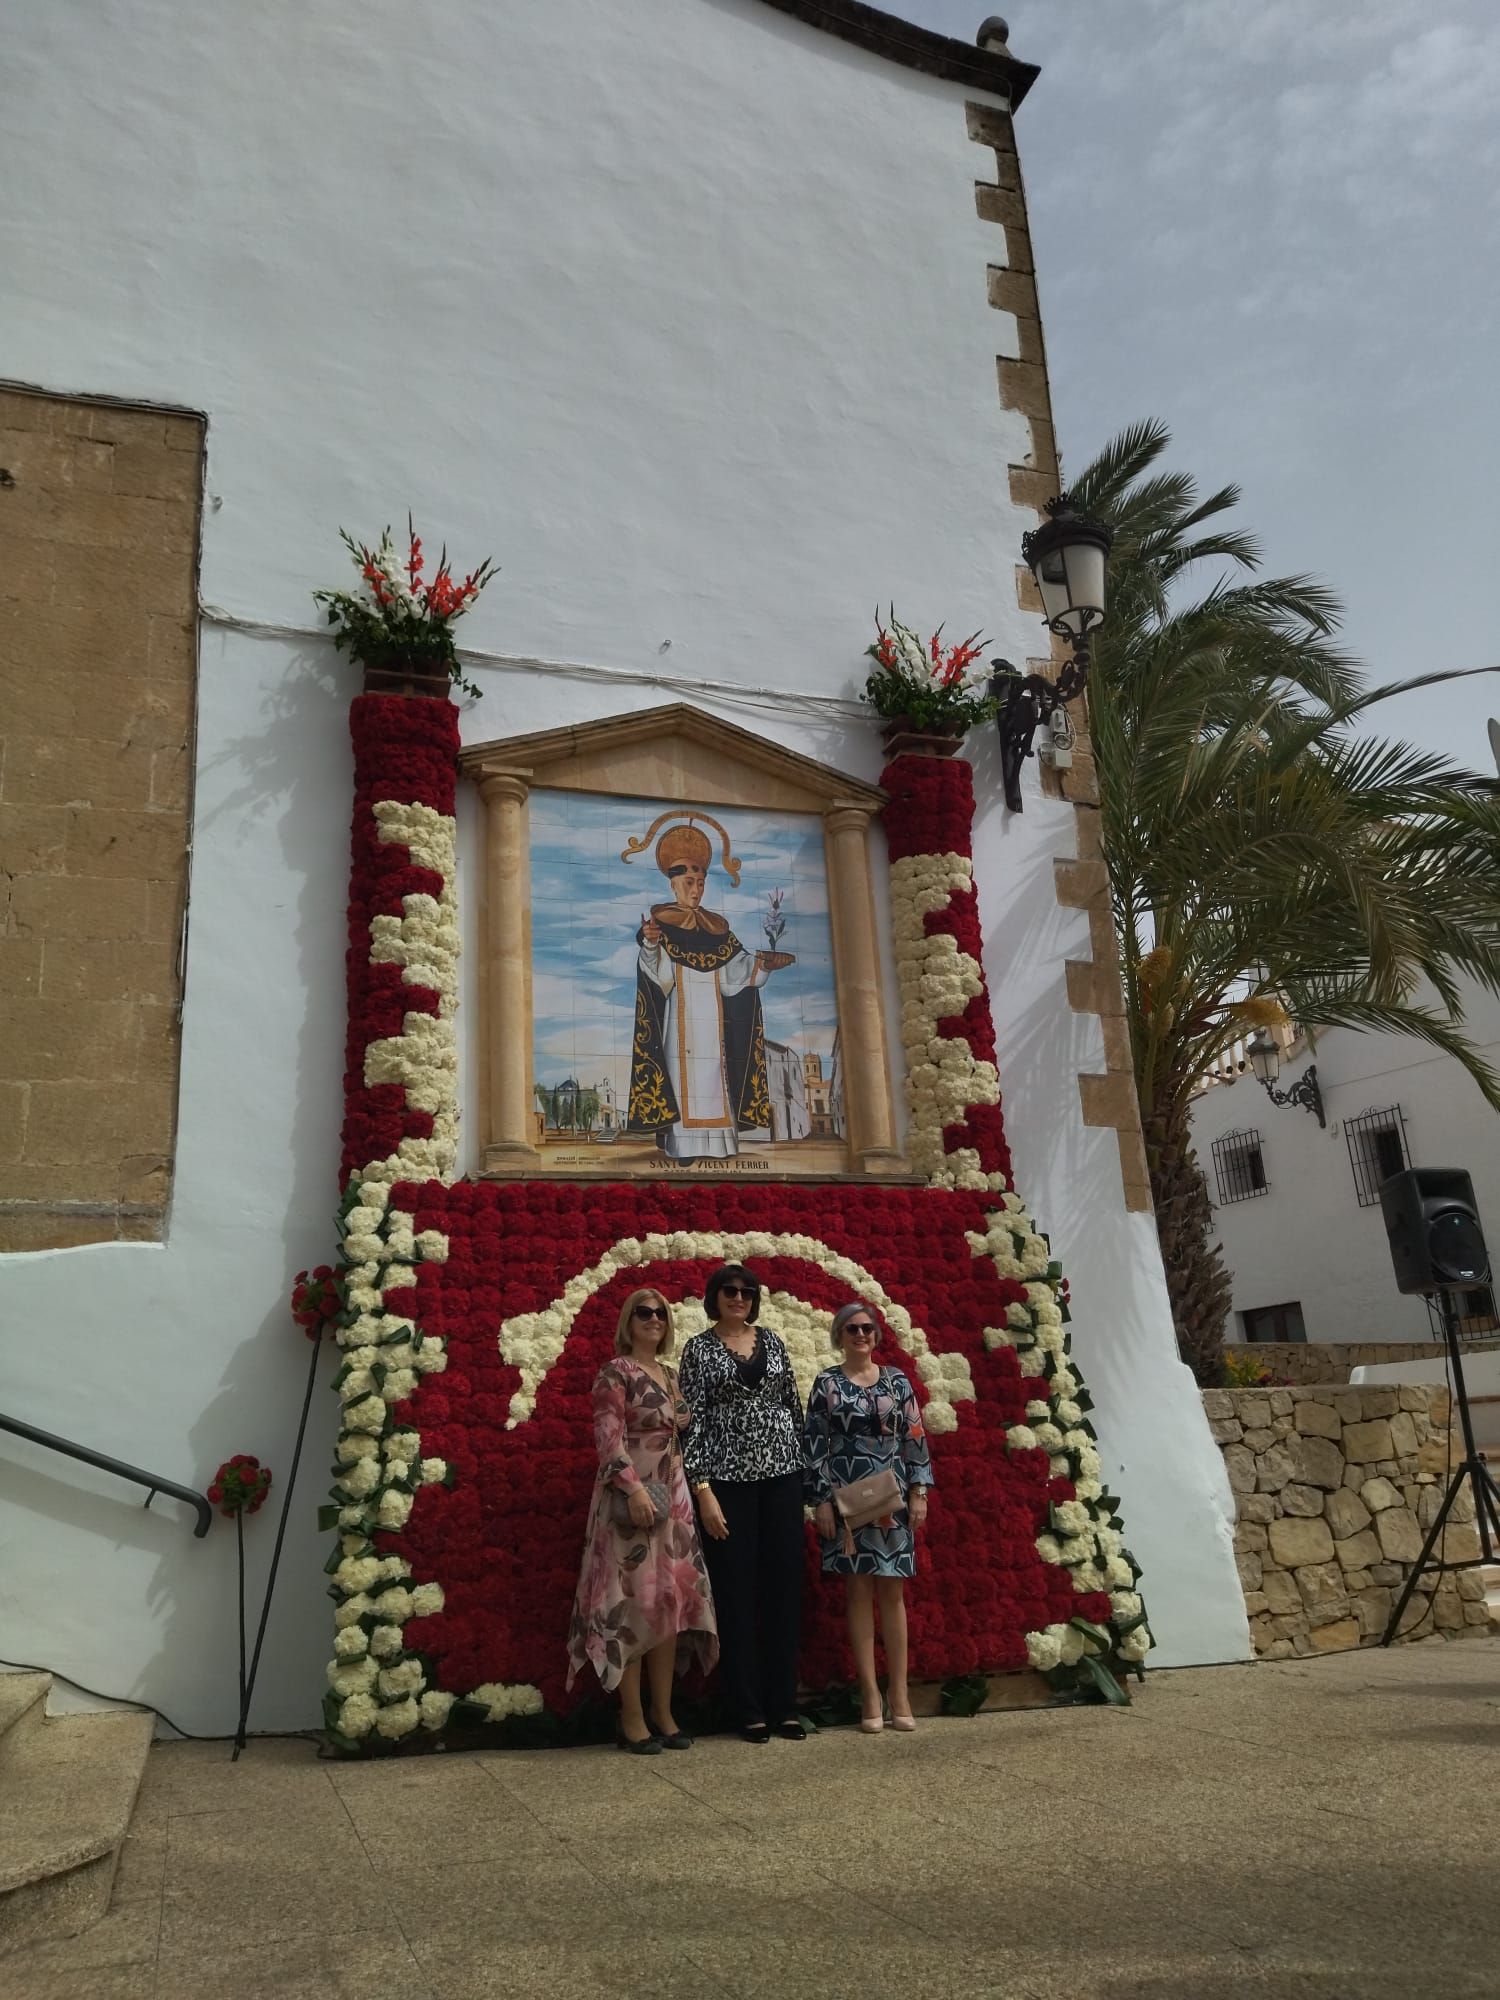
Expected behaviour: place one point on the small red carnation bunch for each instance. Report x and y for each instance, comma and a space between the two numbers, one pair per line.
240, 1485
317, 1299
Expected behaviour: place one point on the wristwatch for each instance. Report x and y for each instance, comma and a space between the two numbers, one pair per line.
701, 1485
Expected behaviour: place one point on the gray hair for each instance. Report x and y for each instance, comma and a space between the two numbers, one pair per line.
842, 1318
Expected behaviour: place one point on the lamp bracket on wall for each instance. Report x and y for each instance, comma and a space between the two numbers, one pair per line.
1304, 1091
1026, 701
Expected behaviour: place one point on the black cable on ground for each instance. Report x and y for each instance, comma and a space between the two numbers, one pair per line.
131, 1701
121, 1700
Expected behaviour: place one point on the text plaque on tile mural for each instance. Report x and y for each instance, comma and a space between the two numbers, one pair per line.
683, 1005
696, 991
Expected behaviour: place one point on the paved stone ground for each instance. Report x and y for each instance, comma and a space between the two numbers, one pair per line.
1312, 1830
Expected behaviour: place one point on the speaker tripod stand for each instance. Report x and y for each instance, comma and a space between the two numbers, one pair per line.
1471, 1469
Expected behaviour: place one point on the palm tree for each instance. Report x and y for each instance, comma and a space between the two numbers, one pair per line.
1265, 859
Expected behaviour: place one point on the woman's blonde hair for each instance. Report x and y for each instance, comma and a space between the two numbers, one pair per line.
627, 1313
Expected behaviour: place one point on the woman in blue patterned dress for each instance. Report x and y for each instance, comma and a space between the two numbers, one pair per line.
862, 1419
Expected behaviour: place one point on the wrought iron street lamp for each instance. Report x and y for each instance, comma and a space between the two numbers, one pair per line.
1265, 1065
1068, 555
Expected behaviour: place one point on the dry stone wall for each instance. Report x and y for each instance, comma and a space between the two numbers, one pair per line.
1335, 1489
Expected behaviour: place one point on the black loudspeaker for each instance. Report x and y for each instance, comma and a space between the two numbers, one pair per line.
1433, 1226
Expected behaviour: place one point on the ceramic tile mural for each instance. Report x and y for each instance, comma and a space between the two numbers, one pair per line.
683, 1003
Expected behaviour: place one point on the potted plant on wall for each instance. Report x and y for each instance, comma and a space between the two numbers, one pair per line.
925, 694
400, 625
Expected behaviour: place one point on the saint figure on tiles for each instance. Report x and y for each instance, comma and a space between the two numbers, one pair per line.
698, 1048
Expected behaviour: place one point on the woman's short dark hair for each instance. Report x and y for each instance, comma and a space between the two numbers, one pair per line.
728, 1274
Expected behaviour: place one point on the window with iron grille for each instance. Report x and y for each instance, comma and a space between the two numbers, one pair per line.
1476, 1312
1239, 1166
1477, 1317
1377, 1149
1283, 1322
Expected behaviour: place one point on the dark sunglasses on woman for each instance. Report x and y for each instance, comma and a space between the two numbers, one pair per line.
735, 1292
650, 1312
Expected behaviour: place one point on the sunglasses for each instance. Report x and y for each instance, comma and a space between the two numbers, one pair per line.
650, 1312
736, 1292
861, 1326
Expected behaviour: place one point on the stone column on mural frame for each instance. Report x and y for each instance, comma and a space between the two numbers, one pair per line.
506, 974
851, 903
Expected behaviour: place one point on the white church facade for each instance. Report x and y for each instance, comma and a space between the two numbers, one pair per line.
715, 323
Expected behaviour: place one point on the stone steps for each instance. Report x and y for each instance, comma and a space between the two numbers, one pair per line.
1491, 1574
68, 1786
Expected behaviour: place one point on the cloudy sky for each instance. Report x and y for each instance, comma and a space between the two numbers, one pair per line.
1275, 227
586, 905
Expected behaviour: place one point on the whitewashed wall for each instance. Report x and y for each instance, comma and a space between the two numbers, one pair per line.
1307, 1238
678, 309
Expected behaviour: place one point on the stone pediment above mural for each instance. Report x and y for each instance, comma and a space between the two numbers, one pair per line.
672, 752
681, 973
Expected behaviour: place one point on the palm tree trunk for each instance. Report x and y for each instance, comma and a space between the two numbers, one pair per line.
1198, 1282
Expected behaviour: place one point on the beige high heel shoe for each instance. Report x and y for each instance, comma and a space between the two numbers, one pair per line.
905, 1723
872, 1725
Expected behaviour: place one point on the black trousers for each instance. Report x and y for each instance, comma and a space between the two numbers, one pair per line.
756, 1572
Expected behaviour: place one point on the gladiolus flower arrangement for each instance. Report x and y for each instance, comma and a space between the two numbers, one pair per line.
928, 685
403, 614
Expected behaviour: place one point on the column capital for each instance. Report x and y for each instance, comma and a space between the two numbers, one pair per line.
847, 816
504, 785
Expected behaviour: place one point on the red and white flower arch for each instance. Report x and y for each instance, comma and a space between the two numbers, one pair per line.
477, 1314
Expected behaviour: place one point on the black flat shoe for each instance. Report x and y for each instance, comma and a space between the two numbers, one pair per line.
678, 1740
755, 1732
792, 1730
649, 1746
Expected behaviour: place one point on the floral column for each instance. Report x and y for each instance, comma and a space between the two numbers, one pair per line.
400, 1125
400, 1111
957, 1140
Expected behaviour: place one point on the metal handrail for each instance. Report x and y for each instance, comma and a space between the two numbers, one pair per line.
118, 1466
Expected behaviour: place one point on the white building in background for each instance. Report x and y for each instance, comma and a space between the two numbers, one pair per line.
689, 312
609, 1112
836, 1084
817, 1091
1297, 1207
788, 1088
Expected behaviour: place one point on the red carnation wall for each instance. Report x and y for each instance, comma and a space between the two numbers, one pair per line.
504, 1540
931, 811
405, 751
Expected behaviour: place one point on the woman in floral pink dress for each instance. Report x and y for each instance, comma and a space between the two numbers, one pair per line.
643, 1592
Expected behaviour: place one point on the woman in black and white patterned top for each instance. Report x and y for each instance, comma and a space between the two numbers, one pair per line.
743, 1458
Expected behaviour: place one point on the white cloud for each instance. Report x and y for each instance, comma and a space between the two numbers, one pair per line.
1275, 228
